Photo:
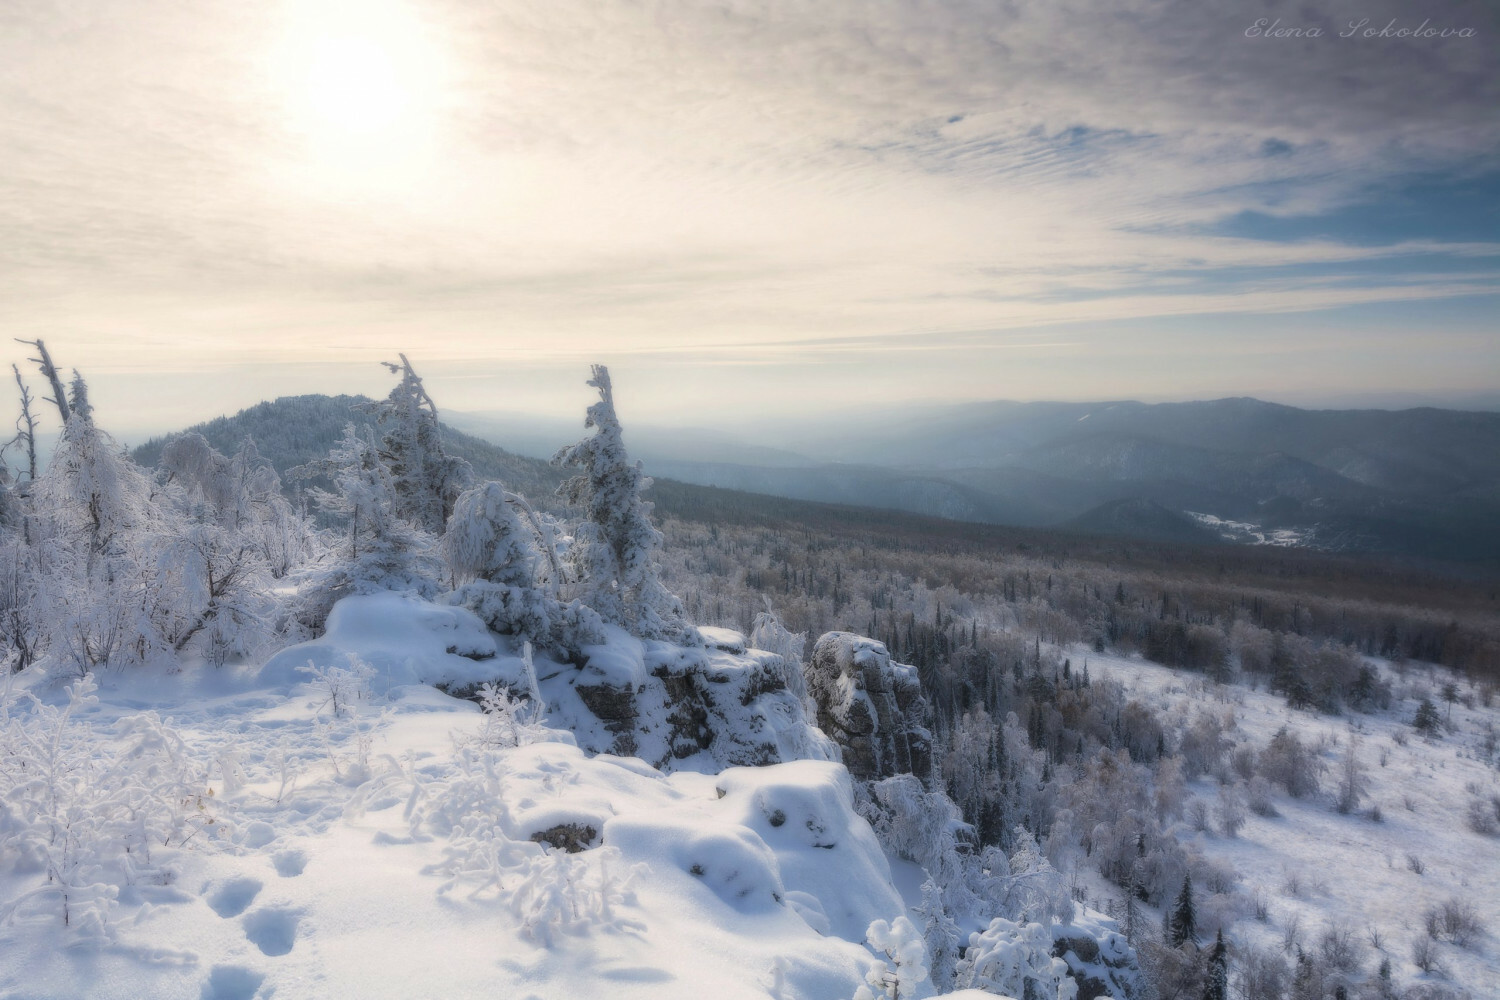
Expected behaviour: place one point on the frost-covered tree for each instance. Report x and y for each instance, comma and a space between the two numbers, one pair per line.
1426, 721
379, 550
940, 934
1216, 985
905, 968
1352, 780
1290, 763
236, 531
490, 538
91, 492
502, 558
768, 633
975, 770
1015, 960
1036, 890
96, 529
614, 549
425, 480
1230, 810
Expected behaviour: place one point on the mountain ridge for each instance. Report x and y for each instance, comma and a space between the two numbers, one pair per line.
1391, 497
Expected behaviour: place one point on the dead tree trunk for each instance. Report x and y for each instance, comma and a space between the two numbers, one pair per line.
45, 363
26, 426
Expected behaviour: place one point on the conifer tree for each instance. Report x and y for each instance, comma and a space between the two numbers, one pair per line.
382, 550
1217, 985
1183, 925
425, 480
613, 554
1426, 720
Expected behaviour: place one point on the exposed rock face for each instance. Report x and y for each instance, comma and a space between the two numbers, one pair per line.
1099, 959
615, 707
670, 703
870, 706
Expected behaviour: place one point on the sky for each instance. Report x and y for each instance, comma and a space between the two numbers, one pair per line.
752, 208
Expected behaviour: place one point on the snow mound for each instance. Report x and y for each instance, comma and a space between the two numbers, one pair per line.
804, 812
404, 639
730, 860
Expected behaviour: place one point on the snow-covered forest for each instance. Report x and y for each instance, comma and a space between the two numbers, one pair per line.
356, 721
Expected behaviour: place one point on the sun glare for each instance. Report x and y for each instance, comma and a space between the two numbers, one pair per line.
362, 87
353, 83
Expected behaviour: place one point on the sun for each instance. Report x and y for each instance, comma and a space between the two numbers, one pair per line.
355, 83
361, 89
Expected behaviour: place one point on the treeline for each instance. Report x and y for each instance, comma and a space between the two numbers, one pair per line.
107, 563
925, 586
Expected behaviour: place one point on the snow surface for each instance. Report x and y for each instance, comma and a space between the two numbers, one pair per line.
1248, 532
385, 850
1318, 868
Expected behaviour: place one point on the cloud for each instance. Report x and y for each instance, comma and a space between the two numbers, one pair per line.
681, 179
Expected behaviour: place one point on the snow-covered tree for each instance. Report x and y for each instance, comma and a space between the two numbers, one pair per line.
96, 530
1426, 721
502, 557
1287, 761
425, 480
940, 934
91, 491
380, 550
235, 530
1015, 960
614, 550
1352, 780
1036, 890
768, 633
905, 968
493, 535
1216, 986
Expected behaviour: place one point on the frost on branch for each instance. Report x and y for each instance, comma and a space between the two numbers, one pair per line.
78, 826
561, 893
769, 634
613, 553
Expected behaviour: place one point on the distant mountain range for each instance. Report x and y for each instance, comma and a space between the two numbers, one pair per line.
1421, 483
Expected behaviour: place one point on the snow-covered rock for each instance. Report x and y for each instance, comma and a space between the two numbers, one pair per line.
699, 708
404, 639
870, 706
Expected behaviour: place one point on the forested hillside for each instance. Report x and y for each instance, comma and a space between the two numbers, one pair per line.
293, 430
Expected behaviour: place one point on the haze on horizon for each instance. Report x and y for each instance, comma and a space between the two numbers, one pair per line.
749, 209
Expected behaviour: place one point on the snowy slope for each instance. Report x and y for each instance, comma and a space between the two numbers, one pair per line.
1316, 869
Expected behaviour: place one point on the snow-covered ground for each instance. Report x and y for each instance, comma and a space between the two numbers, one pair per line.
386, 850
1247, 532
387, 854
1316, 868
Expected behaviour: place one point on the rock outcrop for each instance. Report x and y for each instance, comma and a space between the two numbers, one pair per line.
670, 704
870, 706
